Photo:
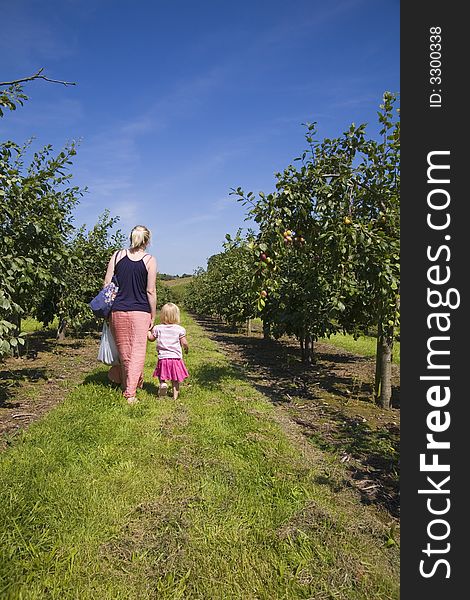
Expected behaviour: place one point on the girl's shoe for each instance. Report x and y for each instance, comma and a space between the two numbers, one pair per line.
162, 390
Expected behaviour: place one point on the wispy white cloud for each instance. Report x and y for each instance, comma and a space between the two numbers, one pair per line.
357, 101
106, 163
62, 112
109, 187
195, 219
128, 211
31, 43
222, 204
182, 100
291, 30
110, 159
115, 152
213, 211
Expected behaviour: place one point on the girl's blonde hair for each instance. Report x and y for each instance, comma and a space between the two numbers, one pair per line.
169, 314
140, 237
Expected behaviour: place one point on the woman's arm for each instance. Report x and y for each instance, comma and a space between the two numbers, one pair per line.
152, 289
110, 269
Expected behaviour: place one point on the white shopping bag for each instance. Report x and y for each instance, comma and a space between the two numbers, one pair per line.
108, 352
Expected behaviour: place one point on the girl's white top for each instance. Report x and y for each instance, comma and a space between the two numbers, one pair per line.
168, 340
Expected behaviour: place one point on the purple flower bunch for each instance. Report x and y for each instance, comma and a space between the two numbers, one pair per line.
101, 304
110, 292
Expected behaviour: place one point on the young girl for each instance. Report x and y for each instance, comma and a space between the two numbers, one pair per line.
171, 339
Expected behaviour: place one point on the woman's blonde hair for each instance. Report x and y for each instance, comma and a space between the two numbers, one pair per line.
140, 237
169, 314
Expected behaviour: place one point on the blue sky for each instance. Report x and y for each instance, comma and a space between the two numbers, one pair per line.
178, 102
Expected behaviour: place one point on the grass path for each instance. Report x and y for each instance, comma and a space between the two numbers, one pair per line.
210, 497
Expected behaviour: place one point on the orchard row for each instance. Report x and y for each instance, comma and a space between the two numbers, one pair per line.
325, 253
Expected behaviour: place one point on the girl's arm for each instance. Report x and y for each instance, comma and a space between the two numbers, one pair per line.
151, 336
184, 344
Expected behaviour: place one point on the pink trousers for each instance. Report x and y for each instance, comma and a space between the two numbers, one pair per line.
129, 329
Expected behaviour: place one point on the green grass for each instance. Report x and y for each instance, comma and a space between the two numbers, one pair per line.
179, 281
364, 345
29, 325
203, 498
178, 288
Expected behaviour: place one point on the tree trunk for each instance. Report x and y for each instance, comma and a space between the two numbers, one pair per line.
248, 327
61, 330
311, 351
307, 349
383, 371
378, 363
17, 331
266, 331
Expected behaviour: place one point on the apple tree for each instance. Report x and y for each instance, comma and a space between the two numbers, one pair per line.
331, 232
225, 289
359, 209
35, 220
79, 275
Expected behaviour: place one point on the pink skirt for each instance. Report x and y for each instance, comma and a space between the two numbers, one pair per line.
129, 329
171, 369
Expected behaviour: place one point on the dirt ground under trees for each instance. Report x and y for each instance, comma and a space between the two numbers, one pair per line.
34, 383
330, 401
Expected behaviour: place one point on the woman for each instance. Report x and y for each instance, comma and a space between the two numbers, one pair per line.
133, 311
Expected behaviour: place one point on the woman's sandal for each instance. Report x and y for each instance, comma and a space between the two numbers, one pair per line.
132, 400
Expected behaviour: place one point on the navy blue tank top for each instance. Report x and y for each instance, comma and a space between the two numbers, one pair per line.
132, 279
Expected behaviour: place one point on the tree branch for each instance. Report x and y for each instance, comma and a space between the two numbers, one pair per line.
37, 75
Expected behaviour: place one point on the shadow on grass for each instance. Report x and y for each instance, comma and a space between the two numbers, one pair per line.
101, 378
275, 369
11, 380
279, 364
213, 376
375, 455
46, 341
39, 341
